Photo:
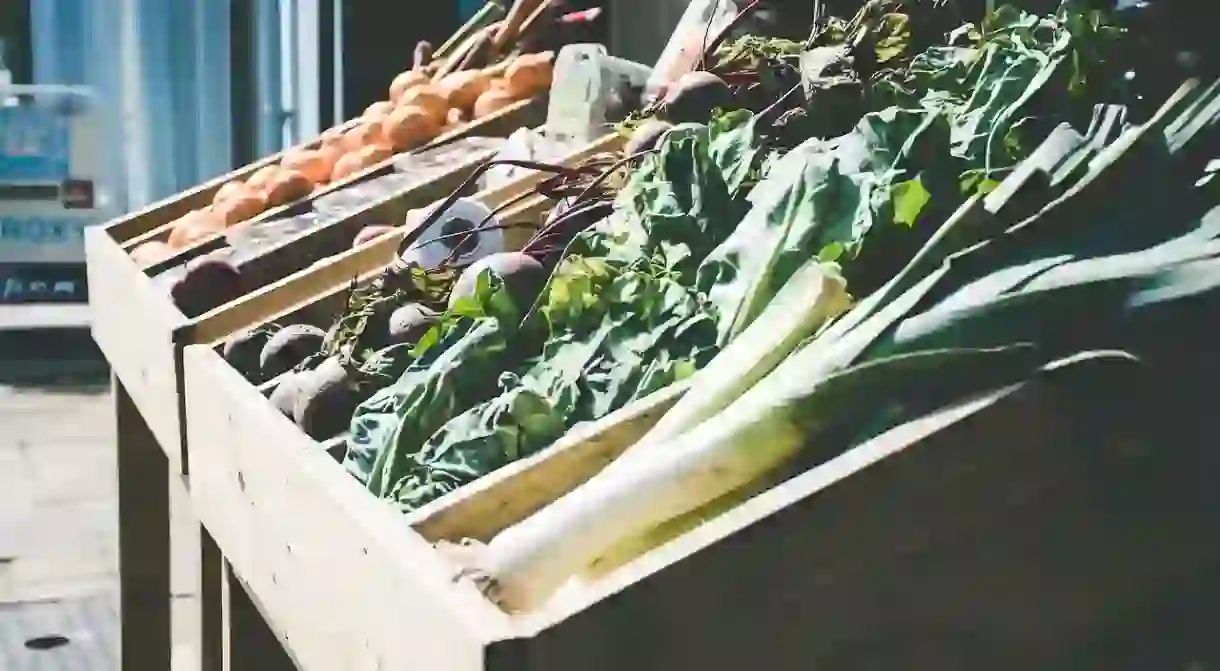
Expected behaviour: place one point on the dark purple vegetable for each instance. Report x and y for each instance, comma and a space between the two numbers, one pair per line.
284, 396
693, 97
244, 351
409, 322
288, 347
521, 273
208, 283
646, 136
325, 400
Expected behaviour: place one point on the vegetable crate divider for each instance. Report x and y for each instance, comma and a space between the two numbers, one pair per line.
970, 538
141, 331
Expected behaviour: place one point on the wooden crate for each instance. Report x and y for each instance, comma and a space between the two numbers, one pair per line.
1014, 530
142, 332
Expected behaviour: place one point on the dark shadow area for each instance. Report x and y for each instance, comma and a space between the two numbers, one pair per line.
52, 359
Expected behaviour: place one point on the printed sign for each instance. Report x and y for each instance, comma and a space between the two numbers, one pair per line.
50, 161
35, 144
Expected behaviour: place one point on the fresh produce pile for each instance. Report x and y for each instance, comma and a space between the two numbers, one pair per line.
484, 69
824, 239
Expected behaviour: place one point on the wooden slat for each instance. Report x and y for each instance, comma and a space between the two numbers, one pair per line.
301, 532
132, 322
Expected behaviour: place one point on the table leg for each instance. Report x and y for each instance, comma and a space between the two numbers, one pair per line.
144, 545
249, 644
211, 603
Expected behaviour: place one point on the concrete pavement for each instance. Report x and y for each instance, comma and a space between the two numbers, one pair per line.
59, 512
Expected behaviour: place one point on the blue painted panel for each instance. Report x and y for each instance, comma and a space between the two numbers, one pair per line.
34, 144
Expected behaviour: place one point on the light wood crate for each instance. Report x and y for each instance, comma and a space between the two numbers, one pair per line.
1004, 532
142, 332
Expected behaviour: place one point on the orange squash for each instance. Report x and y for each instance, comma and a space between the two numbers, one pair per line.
315, 164
529, 74
495, 99
262, 177
409, 127
406, 80
364, 134
193, 227
239, 208
287, 187
463, 88
429, 97
228, 190
377, 110
347, 165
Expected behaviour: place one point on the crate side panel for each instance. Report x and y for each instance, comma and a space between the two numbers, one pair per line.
347, 584
132, 322
1009, 539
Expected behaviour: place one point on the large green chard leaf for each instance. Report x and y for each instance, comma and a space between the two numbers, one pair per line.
651, 332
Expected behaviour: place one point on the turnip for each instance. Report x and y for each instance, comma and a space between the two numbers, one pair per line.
647, 136
289, 347
523, 277
409, 322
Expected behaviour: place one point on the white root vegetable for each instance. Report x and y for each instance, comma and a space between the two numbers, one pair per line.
788, 411
683, 463
814, 295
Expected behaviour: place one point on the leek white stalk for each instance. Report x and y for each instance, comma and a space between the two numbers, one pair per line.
814, 295
781, 415
652, 483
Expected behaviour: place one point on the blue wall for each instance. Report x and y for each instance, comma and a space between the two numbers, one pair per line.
160, 71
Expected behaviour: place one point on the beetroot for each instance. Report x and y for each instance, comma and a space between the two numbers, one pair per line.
693, 97
284, 396
521, 273
289, 347
326, 397
209, 282
243, 351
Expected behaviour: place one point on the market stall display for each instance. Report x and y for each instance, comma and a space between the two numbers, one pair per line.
188, 239
868, 317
